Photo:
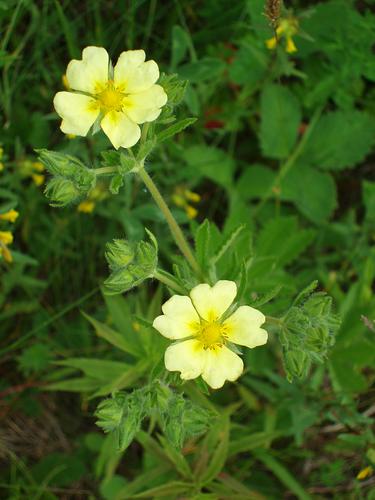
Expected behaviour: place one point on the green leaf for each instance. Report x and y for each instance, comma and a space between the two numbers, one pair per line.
255, 182
175, 129
210, 162
207, 68
368, 190
318, 201
114, 338
230, 241
101, 369
207, 238
280, 119
116, 183
282, 238
219, 456
249, 65
172, 489
341, 139
282, 474
146, 148
180, 45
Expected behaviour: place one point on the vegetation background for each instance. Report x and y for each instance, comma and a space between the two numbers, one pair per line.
283, 143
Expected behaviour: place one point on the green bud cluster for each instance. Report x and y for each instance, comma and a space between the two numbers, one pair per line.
179, 418
308, 331
71, 178
130, 263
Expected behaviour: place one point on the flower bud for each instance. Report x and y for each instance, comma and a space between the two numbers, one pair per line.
61, 192
110, 413
59, 163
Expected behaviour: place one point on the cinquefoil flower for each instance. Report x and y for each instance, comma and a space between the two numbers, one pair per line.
121, 98
205, 334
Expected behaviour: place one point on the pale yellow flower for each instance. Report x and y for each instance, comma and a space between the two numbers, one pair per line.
9, 216
205, 334
121, 98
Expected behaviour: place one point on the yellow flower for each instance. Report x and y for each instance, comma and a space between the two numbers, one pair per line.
4, 251
121, 98
86, 206
38, 179
6, 237
9, 216
362, 474
287, 28
181, 197
197, 322
38, 166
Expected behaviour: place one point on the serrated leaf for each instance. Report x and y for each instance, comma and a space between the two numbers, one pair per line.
210, 162
114, 338
317, 202
282, 238
280, 119
341, 139
174, 129
230, 242
116, 183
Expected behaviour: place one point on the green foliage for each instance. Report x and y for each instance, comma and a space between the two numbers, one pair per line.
179, 418
280, 118
71, 181
307, 332
277, 164
340, 140
130, 264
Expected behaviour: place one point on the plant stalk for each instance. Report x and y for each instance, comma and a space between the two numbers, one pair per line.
180, 240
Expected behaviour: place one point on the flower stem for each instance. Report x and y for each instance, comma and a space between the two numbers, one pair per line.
171, 221
168, 282
105, 170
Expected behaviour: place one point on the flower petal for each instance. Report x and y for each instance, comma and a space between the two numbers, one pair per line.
243, 327
212, 302
221, 364
120, 130
187, 357
127, 62
145, 106
91, 73
78, 112
179, 320
141, 78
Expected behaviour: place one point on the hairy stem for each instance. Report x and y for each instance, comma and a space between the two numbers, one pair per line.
178, 236
168, 282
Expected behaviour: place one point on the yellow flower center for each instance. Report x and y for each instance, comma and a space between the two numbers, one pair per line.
111, 99
212, 334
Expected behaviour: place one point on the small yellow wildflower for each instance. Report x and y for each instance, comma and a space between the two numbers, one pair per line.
4, 252
38, 179
366, 472
86, 206
197, 322
122, 101
9, 216
181, 197
287, 28
38, 166
6, 237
